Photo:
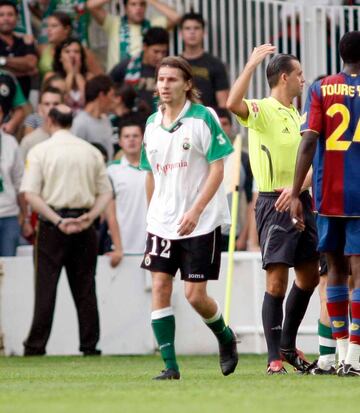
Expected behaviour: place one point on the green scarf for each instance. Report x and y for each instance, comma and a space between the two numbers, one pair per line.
133, 71
125, 36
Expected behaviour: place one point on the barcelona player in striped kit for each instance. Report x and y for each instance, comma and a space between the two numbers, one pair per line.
331, 139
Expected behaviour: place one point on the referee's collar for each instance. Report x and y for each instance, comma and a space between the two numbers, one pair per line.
159, 116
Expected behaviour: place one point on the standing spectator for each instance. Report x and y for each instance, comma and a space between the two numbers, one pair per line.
75, 9
15, 55
59, 29
125, 34
126, 104
49, 98
128, 182
66, 234
139, 71
70, 63
274, 137
34, 120
210, 75
184, 150
10, 91
93, 124
11, 204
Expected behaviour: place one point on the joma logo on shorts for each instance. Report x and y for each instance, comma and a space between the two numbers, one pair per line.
197, 276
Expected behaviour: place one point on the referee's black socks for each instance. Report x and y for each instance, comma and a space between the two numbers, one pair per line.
296, 305
272, 316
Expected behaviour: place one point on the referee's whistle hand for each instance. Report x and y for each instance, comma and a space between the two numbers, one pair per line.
282, 204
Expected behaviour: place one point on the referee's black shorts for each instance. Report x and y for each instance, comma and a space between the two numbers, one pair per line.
280, 241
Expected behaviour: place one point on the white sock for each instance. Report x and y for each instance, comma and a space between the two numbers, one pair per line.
342, 345
215, 317
163, 312
325, 362
352, 356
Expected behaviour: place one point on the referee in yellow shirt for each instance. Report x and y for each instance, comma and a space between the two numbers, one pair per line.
274, 137
65, 181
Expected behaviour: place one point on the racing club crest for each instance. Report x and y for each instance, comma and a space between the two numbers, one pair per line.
186, 144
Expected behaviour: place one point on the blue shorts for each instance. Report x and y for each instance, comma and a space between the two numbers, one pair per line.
339, 234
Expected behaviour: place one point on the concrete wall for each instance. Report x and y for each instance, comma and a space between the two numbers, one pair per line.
124, 297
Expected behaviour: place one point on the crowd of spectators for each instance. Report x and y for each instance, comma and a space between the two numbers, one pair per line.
110, 101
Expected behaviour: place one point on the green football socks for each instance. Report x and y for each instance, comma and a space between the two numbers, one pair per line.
218, 327
327, 347
163, 324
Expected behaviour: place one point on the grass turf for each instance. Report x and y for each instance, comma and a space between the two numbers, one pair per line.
124, 385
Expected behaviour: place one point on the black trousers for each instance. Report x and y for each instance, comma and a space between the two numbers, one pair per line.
78, 254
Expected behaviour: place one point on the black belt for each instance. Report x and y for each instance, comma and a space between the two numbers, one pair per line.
71, 212
277, 194
66, 213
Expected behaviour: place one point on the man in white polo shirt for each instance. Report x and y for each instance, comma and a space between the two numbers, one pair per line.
184, 150
128, 182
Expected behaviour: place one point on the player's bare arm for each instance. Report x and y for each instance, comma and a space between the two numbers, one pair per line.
149, 186
304, 159
189, 220
235, 102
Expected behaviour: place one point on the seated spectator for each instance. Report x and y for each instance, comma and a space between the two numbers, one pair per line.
128, 230
69, 62
59, 29
210, 76
125, 34
11, 91
34, 120
92, 123
11, 171
139, 71
49, 98
16, 56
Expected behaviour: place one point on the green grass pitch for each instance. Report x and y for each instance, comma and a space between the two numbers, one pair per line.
124, 385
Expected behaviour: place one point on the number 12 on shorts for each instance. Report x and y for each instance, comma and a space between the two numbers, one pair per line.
165, 245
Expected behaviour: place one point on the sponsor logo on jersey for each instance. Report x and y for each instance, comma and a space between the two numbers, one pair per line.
338, 323
186, 144
168, 167
196, 276
147, 260
354, 327
285, 130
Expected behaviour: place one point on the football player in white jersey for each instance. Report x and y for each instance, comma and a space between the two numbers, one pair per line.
183, 151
